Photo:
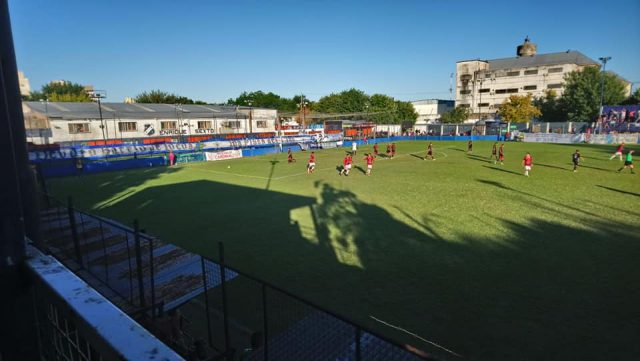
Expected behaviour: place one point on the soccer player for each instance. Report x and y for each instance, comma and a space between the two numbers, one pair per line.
290, 156
494, 152
575, 157
311, 166
618, 152
628, 162
354, 148
375, 149
369, 159
501, 153
393, 150
388, 150
527, 162
429, 152
470, 147
346, 165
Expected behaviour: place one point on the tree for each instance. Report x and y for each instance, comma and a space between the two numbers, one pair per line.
518, 109
381, 109
633, 99
64, 91
405, 112
162, 97
551, 107
457, 115
268, 100
581, 97
348, 101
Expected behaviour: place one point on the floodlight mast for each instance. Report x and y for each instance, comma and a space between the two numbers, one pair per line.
96, 95
604, 61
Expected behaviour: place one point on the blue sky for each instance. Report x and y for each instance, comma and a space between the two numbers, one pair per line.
214, 50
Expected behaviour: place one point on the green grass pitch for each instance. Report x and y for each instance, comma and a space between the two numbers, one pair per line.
458, 251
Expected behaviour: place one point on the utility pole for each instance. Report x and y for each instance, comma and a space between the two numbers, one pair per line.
604, 61
96, 95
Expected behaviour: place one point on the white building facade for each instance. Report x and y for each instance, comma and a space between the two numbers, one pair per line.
483, 85
430, 110
25, 87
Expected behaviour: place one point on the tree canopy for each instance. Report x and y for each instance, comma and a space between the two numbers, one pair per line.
378, 108
518, 109
268, 100
162, 97
457, 115
64, 91
581, 97
551, 107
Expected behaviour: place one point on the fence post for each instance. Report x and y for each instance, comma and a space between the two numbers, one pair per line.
206, 301
265, 328
104, 253
152, 280
136, 227
358, 349
74, 231
225, 314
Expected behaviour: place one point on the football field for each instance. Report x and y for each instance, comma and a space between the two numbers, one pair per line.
462, 252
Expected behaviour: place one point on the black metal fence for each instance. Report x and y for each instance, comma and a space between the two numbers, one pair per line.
203, 308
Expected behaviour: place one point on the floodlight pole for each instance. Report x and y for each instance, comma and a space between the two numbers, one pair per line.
604, 61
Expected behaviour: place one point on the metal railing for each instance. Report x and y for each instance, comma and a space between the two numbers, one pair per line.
215, 311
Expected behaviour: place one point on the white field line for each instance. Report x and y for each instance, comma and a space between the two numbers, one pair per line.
414, 335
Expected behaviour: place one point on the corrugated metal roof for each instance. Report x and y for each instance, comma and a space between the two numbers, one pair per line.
567, 57
62, 110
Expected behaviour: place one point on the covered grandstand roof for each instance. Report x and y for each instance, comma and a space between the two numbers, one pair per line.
89, 110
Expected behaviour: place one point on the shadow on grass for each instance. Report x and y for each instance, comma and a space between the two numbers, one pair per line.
619, 191
596, 168
360, 169
416, 156
543, 288
497, 168
479, 158
551, 166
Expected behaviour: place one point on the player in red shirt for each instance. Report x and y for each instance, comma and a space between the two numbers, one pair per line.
393, 150
290, 156
501, 153
375, 149
311, 166
527, 162
618, 152
346, 165
369, 158
388, 150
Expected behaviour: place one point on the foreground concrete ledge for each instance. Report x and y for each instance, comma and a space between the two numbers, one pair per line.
126, 337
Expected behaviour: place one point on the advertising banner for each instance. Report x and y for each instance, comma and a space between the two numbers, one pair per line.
612, 138
553, 138
222, 155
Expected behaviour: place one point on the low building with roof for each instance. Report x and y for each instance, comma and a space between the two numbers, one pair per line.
482, 85
114, 123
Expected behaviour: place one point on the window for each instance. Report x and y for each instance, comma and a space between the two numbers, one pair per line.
261, 124
127, 126
231, 124
465, 92
512, 90
204, 124
75, 128
501, 91
513, 73
483, 105
168, 125
555, 70
530, 87
554, 86
485, 90
531, 72
465, 77
464, 105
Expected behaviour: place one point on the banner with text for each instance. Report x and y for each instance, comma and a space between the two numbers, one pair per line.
612, 138
553, 138
222, 155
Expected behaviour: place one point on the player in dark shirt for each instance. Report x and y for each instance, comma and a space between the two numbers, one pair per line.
470, 147
494, 152
575, 157
393, 150
375, 149
429, 152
